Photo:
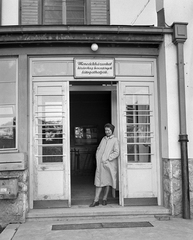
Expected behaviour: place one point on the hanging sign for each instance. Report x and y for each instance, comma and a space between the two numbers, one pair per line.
94, 68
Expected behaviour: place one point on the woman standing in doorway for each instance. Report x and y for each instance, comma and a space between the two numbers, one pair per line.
107, 165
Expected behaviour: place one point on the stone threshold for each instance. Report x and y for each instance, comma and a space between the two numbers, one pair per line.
84, 212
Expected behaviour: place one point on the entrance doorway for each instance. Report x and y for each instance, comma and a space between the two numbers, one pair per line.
89, 111
67, 120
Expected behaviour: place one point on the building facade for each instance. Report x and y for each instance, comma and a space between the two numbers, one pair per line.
69, 67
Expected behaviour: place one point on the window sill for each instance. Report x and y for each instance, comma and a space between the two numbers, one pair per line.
13, 161
9, 151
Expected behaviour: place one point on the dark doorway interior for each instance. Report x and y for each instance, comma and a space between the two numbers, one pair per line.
89, 111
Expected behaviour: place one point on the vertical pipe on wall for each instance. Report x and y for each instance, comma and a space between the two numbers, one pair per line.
179, 37
160, 13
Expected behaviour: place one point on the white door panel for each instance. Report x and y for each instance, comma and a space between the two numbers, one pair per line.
138, 155
50, 141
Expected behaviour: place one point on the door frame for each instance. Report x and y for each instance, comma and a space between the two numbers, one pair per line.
114, 107
113, 88
141, 81
115, 112
31, 162
147, 77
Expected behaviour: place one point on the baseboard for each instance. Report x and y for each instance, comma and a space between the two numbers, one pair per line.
42, 204
140, 202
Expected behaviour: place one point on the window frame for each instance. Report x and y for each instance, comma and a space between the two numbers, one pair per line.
15, 149
64, 9
87, 13
41, 13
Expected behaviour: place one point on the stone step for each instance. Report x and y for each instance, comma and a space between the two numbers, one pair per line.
99, 212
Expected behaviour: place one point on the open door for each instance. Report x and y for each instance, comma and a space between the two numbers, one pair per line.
91, 107
138, 143
50, 145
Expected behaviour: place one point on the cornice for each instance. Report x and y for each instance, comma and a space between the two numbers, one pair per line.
84, 34
119, 29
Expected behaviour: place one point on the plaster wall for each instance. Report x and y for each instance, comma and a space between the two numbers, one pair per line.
182, 11
162, 102
122, 12
133, 12
172, 98
159, 5
10, 14
168, 97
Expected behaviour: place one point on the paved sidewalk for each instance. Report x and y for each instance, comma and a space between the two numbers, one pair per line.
174, 229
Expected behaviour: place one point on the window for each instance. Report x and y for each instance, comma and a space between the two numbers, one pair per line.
8, 121
75, 12
49, 120
139, 124
68, 12
86, 135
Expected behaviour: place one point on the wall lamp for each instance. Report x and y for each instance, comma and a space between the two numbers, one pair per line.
94, 47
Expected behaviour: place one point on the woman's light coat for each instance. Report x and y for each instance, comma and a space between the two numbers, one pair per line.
107, 162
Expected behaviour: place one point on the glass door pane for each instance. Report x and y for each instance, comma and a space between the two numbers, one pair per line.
49, 119
138, 124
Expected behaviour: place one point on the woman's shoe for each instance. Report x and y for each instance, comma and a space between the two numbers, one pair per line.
93, 204
104, 202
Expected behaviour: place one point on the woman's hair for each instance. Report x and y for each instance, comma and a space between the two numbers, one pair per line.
109, 125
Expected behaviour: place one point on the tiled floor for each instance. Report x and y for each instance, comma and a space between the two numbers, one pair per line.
83, 190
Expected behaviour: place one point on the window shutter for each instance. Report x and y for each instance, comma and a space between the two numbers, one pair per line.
75, 12
70, 12
53, 12
29, 12
99, 12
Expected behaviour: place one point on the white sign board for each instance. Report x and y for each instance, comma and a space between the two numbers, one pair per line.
94, 68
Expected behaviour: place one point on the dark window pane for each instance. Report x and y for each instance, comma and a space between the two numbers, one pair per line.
75, 12
8, 76
52, 134
52, 154
7, 137
86, 135
48, 159
138, 153
52, 11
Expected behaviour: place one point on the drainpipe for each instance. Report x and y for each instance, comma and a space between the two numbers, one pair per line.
179, 37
